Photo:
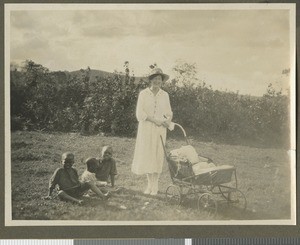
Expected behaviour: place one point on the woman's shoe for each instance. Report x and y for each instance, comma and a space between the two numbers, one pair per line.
147, 191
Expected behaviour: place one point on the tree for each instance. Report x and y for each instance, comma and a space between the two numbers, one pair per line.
185, 74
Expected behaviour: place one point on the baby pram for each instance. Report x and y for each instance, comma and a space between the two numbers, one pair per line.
205, 186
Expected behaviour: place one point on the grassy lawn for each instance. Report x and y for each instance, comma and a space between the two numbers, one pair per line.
263, 176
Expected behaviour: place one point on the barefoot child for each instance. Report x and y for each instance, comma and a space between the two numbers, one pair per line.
69, 186
107, 166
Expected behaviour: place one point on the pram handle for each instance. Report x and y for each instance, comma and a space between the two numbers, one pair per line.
185, 137
183, 131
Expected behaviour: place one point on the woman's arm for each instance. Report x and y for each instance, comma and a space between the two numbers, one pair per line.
153, 120
140, 113
168, 112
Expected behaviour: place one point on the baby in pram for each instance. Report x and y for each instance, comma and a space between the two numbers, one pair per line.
188, 162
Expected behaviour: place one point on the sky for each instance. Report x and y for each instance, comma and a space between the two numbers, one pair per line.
235, 50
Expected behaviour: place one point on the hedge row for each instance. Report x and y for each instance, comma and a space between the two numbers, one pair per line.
58, 101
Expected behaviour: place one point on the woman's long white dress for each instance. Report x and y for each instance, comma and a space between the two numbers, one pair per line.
149, 154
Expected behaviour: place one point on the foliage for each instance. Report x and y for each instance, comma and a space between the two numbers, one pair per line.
57, 101
230, 117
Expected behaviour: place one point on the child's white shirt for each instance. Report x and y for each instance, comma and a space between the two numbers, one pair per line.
91, 177
88, 176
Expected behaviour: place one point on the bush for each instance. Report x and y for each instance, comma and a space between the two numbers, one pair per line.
58, 101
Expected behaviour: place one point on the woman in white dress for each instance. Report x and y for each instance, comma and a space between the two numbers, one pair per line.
154, 115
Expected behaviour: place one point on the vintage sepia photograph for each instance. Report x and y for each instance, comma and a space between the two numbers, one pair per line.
150, 114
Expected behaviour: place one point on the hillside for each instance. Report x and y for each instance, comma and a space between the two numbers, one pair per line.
96, 73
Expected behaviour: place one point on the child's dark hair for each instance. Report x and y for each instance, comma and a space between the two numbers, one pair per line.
91, 164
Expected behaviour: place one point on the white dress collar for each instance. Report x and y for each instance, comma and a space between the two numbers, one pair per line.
159, 91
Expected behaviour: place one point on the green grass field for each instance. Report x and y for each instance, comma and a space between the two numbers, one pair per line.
263, 176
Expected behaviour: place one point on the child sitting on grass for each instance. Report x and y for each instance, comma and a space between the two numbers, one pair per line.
69, 186
89, 174
107, 166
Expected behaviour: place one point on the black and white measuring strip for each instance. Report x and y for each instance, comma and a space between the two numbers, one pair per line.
199, 241
132, 242
98, 242
36, 242
246, 241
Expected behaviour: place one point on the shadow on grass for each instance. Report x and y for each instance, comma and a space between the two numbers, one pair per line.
130, 201
225, 211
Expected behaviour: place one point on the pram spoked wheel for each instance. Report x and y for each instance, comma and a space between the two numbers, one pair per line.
207, 203
173, 195
237, 199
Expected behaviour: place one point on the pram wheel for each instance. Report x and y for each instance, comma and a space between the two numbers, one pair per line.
208, 203
237, 199
173, 195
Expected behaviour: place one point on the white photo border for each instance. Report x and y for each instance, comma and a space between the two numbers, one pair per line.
18, 7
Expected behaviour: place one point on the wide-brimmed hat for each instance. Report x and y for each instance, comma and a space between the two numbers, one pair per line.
157, 71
